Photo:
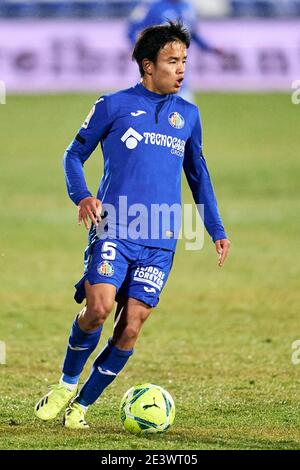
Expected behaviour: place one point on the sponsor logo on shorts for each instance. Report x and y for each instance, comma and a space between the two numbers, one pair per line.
176, 120
149, 289
105, 269
149, 275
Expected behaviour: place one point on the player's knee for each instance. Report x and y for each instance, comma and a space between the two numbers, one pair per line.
98, 311
130, 332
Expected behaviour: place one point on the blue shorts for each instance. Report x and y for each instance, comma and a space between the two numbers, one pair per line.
137, 271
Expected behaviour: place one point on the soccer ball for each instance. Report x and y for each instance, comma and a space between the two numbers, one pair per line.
147, 409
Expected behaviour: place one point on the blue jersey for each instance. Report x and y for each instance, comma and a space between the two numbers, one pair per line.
160, 12
146, 139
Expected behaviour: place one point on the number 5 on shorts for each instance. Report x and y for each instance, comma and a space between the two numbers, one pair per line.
109, 251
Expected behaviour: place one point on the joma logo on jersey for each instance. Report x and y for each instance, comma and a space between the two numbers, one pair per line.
131, 138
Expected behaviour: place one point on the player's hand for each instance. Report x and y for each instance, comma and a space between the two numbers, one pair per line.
89, 208
222, 247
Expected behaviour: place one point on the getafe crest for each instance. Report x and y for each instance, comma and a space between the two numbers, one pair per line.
176, 120
105, 269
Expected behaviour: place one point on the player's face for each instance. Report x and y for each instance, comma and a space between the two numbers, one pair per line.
167, 73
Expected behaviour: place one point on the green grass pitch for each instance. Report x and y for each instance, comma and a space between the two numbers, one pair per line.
220, 341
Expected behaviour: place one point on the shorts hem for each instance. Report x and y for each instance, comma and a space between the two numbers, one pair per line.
143, 300
80, 289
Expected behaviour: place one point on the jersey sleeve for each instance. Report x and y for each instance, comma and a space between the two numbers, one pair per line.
89, 135
196, 37
199, 181
137, 22
201, 42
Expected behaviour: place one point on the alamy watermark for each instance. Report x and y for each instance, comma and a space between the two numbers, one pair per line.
296, 354
153, 222
2, 92
296, 92
2, 352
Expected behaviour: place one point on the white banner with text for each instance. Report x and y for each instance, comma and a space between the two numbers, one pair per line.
90, 55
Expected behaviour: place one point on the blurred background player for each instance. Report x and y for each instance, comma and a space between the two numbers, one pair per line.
160, 12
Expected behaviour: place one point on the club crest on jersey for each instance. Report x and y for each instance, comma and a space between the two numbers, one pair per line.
105, 269
176, 120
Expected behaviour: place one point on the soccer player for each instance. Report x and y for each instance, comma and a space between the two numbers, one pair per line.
160, 12
147, 134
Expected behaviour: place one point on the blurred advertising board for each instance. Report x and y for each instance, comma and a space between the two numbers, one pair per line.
90, 55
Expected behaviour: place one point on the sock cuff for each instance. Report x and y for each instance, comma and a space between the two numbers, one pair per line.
69, 379
82, 402
122, 352
78, 330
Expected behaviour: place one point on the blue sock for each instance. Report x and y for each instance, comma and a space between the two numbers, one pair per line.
80, 347
106, 367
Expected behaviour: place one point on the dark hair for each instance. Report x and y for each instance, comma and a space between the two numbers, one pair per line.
153, 39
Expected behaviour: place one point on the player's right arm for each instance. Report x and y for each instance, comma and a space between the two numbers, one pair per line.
90, 134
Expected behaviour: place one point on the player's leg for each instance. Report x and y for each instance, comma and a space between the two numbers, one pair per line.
129, 323
98, 285
144, 283
84, 337
130, 318
106, 267
86, 330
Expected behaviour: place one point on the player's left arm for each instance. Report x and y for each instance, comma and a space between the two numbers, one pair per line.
199, 180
